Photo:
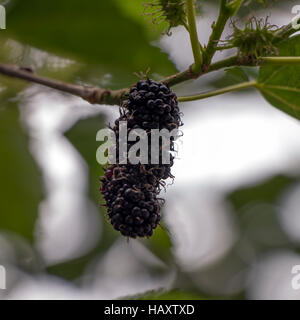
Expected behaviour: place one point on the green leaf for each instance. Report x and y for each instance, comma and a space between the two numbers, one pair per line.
21, 184
280, 84
232, 76
136, 10
237, 73
98, 33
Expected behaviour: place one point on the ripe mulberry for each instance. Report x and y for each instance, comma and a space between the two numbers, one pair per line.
131, 190
131, 199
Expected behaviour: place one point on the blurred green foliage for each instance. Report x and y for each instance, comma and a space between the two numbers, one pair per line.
256, 209
21, 186
109, 41
99, 34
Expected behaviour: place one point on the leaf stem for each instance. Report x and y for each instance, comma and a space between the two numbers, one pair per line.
198, 59
204, 95
281, 60
218, 28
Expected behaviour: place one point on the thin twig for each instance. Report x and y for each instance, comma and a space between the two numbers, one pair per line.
113, 97
92, 95
106, 96
188, 75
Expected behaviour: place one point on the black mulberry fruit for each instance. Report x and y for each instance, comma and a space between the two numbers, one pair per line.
131, 190
131, 200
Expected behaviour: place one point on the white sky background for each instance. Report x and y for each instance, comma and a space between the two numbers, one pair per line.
228, 141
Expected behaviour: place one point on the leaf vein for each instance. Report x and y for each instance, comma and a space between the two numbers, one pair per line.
282, 100
279, 87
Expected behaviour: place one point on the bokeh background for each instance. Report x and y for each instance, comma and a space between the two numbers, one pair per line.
231, 223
